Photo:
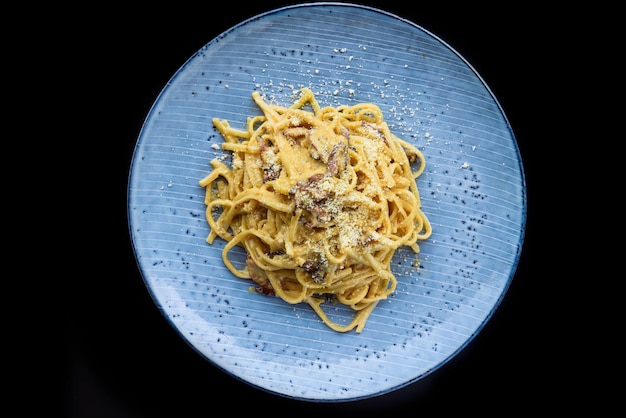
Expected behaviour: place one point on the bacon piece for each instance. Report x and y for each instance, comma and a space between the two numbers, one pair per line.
271, 164
338, 159
259, 277
316, 267
308, 195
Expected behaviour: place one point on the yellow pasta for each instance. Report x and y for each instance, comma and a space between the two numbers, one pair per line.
320, 199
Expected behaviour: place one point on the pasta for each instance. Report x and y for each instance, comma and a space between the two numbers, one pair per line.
320, 199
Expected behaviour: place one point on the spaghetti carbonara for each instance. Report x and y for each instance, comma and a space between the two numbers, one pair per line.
320, 199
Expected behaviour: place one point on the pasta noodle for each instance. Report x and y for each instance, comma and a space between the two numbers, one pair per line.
320, 199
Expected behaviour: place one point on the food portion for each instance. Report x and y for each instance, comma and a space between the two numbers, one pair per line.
320, 198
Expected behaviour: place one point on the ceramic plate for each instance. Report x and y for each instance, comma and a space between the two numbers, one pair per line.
473, 191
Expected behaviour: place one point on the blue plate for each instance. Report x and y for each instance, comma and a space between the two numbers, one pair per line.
473, 191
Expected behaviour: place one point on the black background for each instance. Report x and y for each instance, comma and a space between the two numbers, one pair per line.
123, 359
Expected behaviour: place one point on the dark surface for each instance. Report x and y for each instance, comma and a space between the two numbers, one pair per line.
123, 359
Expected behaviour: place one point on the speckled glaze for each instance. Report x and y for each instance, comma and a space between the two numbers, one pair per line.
472, 190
